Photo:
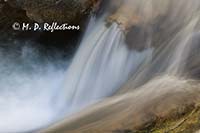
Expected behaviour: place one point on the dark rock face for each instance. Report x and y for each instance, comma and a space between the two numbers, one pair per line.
70, 11
9, 15
61, 11
73, 12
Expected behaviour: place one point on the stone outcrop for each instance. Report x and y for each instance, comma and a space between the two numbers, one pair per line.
55, 10
73, 12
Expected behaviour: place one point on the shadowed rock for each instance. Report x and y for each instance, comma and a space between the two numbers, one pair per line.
70, 11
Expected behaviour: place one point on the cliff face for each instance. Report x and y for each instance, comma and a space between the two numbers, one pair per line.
73, 12
55, 10
68, 11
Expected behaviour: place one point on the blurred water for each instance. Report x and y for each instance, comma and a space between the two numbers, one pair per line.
27, 90
35, 95
32, 96
101, 66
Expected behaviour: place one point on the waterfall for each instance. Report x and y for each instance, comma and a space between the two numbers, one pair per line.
101, 65
167, 80
34, 96
38, 96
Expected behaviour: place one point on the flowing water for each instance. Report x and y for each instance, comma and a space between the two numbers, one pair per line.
172, 69
101, 65
26, 90
33, 96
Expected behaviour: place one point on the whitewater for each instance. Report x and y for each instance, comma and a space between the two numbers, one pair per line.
31, 99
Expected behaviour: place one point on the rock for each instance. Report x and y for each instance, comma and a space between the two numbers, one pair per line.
1, 6
70, 11
9, 15
124, 16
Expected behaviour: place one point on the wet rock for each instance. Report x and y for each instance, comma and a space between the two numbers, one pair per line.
138, 38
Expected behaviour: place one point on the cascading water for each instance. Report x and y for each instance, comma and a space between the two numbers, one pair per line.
168, 75
101, 65
27, 90
41, 96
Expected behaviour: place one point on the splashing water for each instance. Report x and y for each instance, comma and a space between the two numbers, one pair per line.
26, 91
175, 36
31, 100
102, 64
